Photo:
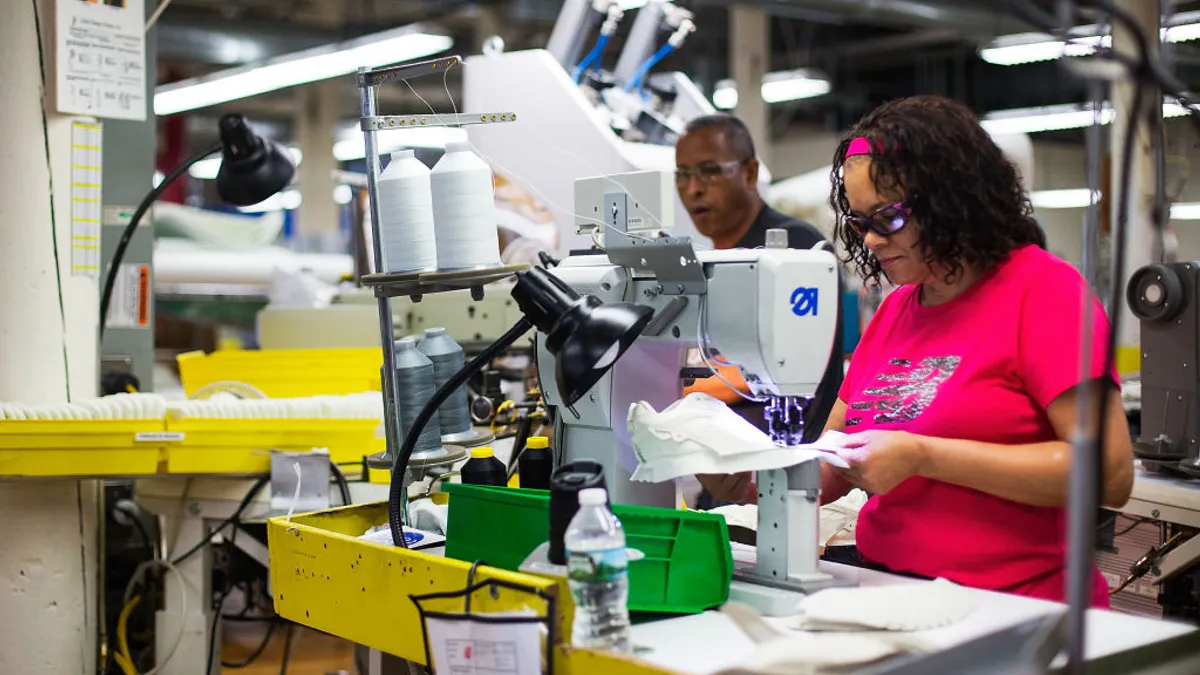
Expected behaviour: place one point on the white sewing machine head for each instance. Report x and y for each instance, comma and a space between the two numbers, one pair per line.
771, 312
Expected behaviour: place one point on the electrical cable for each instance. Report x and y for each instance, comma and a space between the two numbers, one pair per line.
140, 571
287, 648
258, 485
229, 586
258, 651
396, 497
127, 234
343, 486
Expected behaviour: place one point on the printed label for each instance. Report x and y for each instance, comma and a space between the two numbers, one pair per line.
130, 303
157, 436
592, 566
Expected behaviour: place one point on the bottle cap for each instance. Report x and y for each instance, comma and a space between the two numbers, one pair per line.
482, 453
458, 146
593, 496
537, 443
402, 154
435, 332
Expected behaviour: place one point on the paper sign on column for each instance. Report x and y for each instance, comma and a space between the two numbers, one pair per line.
465, 647
101, 58
85, 198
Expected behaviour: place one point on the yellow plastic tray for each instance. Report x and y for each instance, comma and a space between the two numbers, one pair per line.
324, 577
285, 373
81, 447
244, 445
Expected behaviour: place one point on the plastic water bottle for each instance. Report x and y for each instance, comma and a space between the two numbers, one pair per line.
596, 572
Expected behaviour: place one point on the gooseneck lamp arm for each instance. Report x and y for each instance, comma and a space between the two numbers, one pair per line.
396, 495
252, 169
127, 234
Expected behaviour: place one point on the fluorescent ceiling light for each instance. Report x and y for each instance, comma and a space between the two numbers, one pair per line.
1012, 50
1056, 118
206, 169
310, 65
352, 147
1185, 211
1077, 198
777, 87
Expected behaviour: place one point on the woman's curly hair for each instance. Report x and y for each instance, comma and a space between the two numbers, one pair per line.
965, 195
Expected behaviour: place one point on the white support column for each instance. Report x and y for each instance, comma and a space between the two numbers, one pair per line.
749, 58
1139, 242
316, 126
48, 352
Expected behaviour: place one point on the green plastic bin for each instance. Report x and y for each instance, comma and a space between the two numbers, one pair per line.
688, 563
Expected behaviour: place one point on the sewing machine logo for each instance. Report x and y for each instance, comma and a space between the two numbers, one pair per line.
804, 301
902, 396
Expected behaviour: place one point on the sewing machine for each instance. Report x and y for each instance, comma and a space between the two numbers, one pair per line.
771, 311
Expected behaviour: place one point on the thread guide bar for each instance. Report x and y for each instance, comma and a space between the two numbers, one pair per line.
373, 77
385, 122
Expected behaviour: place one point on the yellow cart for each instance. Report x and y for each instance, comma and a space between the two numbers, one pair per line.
324, 577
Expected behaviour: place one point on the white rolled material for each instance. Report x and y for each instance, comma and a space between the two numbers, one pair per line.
406, 220
464, 210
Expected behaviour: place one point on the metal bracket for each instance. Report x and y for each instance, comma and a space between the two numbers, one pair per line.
671, 260
386, 122
374, 77
664, 316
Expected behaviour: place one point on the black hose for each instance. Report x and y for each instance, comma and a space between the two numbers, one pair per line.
400, 467
339, 477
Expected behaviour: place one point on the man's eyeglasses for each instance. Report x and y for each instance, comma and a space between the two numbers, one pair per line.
884, 221
707, 173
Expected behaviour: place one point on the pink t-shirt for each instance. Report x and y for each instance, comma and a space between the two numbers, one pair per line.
982, 367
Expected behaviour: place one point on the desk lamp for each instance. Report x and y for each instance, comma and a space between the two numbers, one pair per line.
585, 335
252, 169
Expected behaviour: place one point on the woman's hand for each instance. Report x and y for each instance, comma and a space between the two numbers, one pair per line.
881, 460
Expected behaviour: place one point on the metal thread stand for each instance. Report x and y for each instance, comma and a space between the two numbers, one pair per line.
414, 285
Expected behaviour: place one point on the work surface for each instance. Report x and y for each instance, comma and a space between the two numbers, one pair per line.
709, 642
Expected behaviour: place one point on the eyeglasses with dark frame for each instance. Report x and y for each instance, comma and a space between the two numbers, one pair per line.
884, 221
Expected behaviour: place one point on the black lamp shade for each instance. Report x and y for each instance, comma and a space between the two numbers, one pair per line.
252, 168
585, 335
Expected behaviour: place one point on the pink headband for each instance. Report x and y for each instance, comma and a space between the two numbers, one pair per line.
859, 146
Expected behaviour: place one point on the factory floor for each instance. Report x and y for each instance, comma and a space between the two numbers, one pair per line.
312, 652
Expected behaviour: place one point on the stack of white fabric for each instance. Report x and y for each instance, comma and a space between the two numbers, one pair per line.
844, 627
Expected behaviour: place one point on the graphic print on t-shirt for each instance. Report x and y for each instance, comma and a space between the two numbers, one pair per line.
901, 396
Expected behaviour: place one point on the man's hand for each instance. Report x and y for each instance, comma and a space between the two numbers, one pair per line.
737, 488
881, 460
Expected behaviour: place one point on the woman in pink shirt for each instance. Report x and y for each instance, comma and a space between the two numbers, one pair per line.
962, 396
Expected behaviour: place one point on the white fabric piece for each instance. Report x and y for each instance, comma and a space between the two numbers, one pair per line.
700, 434
921, 605
790, 653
